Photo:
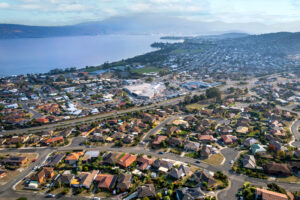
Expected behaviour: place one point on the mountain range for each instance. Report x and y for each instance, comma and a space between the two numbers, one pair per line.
142, 24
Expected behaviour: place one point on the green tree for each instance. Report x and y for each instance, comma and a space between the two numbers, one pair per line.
158, 195
213, 93
22, 198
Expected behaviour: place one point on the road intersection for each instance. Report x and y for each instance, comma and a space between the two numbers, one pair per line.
236, 180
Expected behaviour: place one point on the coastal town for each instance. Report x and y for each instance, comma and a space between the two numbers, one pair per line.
155, 128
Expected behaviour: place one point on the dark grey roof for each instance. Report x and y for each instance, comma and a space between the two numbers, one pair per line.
189, 193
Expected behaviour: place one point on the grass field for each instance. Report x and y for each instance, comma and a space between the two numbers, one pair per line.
290, 179
146, 70
215, 159
194, 106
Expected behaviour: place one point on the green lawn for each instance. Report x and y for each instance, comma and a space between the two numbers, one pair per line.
215, 159
146, 70
290, 179
194, 106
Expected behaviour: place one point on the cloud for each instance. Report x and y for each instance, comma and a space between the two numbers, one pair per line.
71, 7
29, 6
73, 11
4, 5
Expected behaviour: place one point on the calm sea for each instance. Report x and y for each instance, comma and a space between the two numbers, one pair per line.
22, 56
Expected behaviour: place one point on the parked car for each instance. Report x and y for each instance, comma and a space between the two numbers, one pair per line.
50, 195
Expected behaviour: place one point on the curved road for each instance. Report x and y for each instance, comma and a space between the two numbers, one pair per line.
295, 131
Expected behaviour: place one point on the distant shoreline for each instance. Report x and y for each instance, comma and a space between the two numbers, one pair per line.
127, 50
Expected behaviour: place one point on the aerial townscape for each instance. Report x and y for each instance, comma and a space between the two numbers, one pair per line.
199, 119
174, 109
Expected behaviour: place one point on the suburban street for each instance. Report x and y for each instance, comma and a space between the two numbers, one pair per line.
236, 180
295, 131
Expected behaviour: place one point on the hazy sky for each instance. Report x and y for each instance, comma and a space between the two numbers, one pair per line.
60, 12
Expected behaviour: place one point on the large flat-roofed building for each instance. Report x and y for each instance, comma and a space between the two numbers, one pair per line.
145, 90
199, 84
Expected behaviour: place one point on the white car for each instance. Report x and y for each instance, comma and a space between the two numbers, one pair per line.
231, 162
51, 196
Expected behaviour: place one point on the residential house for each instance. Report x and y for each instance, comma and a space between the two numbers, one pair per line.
72, 158
181, 123
16, 140
205, 151
14, 160
112, 122
66, 179
161, 113
206, 138
118, 135
174, 141
86, 178
172, 129
178, 173
46, 172
162, 165
128, 139
135, 129
53, 140
276, 146
262, 194
249, 161
54, 160
89, 156
225, 130
191, 146
124, 182
147, 190
191, 119
204, 176
144, 162
189, 193
122, 128
127, 160
111, 158
98, 137
257, 148
42, 120
250, 141
67, 132
147, 118
242, 129
158, 140
277, 169
228, 139
106, 181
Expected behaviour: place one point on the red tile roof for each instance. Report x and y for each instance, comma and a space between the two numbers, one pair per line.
127, 160
55, 139
105, 181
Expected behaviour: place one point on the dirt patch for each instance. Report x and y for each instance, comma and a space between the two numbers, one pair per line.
13, 173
